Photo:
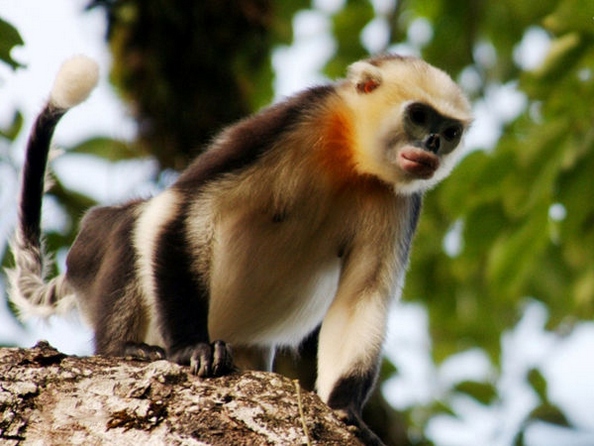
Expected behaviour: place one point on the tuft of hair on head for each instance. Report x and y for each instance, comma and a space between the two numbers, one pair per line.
74, 82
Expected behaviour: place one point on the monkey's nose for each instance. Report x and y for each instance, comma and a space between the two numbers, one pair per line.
432, 142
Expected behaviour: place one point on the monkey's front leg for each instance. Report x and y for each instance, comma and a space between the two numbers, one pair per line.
185, 331
205, 359
348, 358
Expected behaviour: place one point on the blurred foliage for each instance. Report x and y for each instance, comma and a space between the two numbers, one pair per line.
523, 210
513, 246
9, 38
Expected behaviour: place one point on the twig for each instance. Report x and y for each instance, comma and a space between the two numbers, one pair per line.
301, 414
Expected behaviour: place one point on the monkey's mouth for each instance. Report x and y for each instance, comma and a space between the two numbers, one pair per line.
418, 162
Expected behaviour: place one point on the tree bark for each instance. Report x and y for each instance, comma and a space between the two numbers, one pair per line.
49, 398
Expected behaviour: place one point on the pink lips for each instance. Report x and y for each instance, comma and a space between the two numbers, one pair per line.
418, 162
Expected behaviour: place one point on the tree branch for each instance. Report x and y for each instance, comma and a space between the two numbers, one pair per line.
47, 397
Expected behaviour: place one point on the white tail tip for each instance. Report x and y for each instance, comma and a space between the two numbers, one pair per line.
75, 81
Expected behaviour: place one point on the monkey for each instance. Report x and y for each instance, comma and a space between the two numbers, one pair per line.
299, 217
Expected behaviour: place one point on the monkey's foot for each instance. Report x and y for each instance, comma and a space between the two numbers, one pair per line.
143, 352
359, 427
206, 360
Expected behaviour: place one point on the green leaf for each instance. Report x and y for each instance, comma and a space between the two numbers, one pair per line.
13, 129
107, 148
387, 369
551, 414
538, 384
485, 393
9, 38
519, 439
441, 407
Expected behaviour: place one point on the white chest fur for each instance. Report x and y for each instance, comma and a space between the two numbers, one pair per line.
272, 280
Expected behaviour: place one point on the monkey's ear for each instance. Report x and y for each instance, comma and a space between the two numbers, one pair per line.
364, 76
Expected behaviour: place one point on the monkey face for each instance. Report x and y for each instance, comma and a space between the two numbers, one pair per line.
411, 118
428, 136
430, 130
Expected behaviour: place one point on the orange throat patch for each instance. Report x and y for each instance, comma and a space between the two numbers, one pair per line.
335, 153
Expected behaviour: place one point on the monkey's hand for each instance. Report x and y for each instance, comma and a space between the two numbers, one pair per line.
205, 360
359, 427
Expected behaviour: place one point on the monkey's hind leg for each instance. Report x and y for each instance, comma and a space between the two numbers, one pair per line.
120, 326
143, 352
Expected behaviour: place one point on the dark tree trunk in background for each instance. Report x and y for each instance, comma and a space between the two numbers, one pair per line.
187, 68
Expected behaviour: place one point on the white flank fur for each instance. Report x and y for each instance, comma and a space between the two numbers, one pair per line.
74, 82
155, 214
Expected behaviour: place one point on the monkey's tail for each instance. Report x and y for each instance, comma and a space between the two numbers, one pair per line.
30, 290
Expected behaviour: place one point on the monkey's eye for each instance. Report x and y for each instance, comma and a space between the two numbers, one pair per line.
418, 114
452, 133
